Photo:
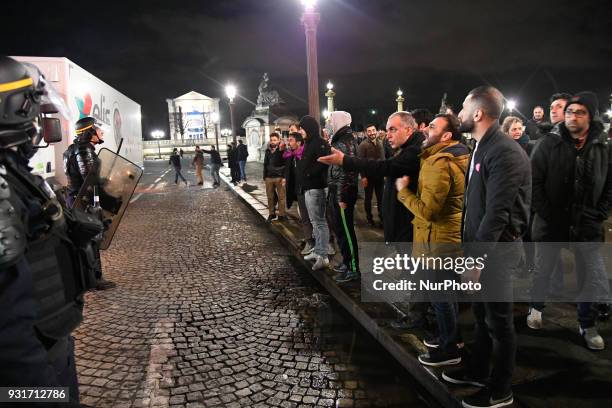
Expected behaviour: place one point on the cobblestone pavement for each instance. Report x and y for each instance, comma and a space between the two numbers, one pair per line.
210, 310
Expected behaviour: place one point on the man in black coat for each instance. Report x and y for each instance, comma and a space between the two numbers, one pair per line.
402, 134
495, 216
572, 192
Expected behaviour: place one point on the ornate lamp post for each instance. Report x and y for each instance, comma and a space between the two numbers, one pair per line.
330, 97
310, 20
400, 100
230, 92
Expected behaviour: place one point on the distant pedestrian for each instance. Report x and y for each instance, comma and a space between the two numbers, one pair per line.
175, 161
242, 154
198, 161
215, 164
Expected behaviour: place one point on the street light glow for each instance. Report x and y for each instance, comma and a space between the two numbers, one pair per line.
330, 86
399, 92
373, 111
609, 113
157, 134
226, 132
511, 105
326, 114
214, 117
230, 91
309, 5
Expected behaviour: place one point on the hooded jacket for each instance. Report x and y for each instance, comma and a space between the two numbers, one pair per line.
343, 180
438, 203
397, 220
572, 189
313, 173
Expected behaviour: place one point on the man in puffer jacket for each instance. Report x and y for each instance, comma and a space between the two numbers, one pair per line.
342, 197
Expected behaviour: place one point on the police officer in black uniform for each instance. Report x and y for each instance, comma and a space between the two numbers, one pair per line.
80, 160
45, 251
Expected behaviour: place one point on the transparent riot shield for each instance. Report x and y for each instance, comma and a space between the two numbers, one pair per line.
109, 186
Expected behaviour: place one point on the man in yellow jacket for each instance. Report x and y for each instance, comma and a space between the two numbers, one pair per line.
437, 208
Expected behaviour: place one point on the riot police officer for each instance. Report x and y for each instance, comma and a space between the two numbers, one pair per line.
45, 256
80, 160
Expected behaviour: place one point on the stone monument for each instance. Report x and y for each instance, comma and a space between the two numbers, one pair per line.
271, 112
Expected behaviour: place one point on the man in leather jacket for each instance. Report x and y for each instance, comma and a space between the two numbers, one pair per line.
342, 197
80, 159
42, 274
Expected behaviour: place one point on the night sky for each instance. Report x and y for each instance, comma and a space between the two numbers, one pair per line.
153, 50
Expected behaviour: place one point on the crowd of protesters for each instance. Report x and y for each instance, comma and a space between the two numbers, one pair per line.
541, 181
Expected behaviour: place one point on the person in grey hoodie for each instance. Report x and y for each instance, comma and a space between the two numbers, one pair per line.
342, 196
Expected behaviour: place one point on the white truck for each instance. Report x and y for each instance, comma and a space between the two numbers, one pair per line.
87, 95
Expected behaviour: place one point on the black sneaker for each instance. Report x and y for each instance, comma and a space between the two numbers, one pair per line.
271, 217
437, 357
486, 399
349, 276
341, 269
434, 343
461, 376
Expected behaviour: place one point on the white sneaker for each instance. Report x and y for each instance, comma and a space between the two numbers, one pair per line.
592, 338
311, 256
331, 250
320, 263
534, 319
308, 248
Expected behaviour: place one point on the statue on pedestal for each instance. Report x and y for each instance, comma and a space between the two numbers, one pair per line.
267, 97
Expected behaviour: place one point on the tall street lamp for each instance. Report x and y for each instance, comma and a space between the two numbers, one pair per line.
310, 20
330, 96
215, 120
400, 100
158, 134
230, 92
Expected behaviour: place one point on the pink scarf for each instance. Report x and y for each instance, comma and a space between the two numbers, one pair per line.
294, 153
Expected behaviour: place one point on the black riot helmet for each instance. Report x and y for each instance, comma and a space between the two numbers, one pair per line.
27, 105
86, 128
20, 100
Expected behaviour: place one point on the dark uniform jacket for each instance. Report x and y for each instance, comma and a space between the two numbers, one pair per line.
313, 173
79, 159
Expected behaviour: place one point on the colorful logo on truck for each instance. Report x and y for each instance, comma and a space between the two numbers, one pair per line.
84, 104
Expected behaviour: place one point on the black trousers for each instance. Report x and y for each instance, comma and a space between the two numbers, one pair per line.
343, 225
374, 186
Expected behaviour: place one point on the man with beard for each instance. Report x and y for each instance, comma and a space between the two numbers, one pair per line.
402, 135
273, 175
437, 207
572, 192
371, 149
495, 217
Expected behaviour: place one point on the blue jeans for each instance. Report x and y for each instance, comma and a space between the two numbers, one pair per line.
315, 203
214, 172
242, 165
